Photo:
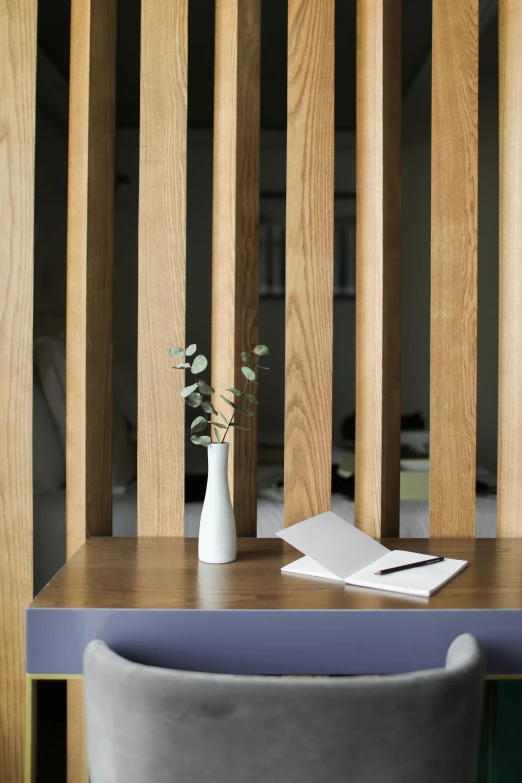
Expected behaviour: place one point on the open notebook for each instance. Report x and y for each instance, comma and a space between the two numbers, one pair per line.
334, 549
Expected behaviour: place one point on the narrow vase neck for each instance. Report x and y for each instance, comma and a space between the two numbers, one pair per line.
217, 457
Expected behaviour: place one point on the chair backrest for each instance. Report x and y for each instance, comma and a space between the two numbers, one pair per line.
159, 725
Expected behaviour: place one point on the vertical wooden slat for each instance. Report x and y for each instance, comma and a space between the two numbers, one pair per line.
77, 764
235, 229
90, 257
31, 694
509, 502
454, 268
309, 259
378, 306
17, 122
162, 274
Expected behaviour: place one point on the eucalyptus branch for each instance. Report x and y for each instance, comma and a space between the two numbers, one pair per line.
209, 423
235, 410
194, 394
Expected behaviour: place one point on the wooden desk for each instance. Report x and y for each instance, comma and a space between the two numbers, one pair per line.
152, 601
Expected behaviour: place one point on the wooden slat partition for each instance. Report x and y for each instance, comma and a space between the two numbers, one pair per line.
309, 259
454, 268
509, 495
90, 259
235, 229
162, 274
378, 306
17, 124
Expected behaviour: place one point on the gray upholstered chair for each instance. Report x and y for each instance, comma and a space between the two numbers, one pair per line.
148, 725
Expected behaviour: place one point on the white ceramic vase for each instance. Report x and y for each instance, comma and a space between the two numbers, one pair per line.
217, 528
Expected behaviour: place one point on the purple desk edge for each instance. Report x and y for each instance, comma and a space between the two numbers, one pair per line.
335, 642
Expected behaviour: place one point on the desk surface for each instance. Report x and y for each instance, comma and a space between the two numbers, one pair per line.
131, 573
154, 602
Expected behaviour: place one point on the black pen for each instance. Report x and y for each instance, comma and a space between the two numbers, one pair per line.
410, 565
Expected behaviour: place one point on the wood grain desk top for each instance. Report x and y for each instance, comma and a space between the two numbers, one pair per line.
148, 573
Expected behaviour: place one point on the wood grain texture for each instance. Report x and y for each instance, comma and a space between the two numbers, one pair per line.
378, 306
235, 230
309, 259
130, 573
77, 764
454, 268
17, 132
162, 262
509, 494
90, 259
90, 263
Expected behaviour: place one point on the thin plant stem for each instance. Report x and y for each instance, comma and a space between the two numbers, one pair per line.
209, 425
235, 411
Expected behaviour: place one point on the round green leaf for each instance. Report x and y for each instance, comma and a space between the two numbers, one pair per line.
239, 426
194, 400
188, 390
261, 350
199, 364
191, 349
236, 392
205, 388
201, 440
247, 360
251, 398
175, 352
200, 423
181, 366
209, 408
227, 401
248, 373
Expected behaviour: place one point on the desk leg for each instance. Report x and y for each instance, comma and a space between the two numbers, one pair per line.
30, 729
77, 764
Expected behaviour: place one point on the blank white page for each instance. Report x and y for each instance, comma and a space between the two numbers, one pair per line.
422, 581
333, 543
305, 566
